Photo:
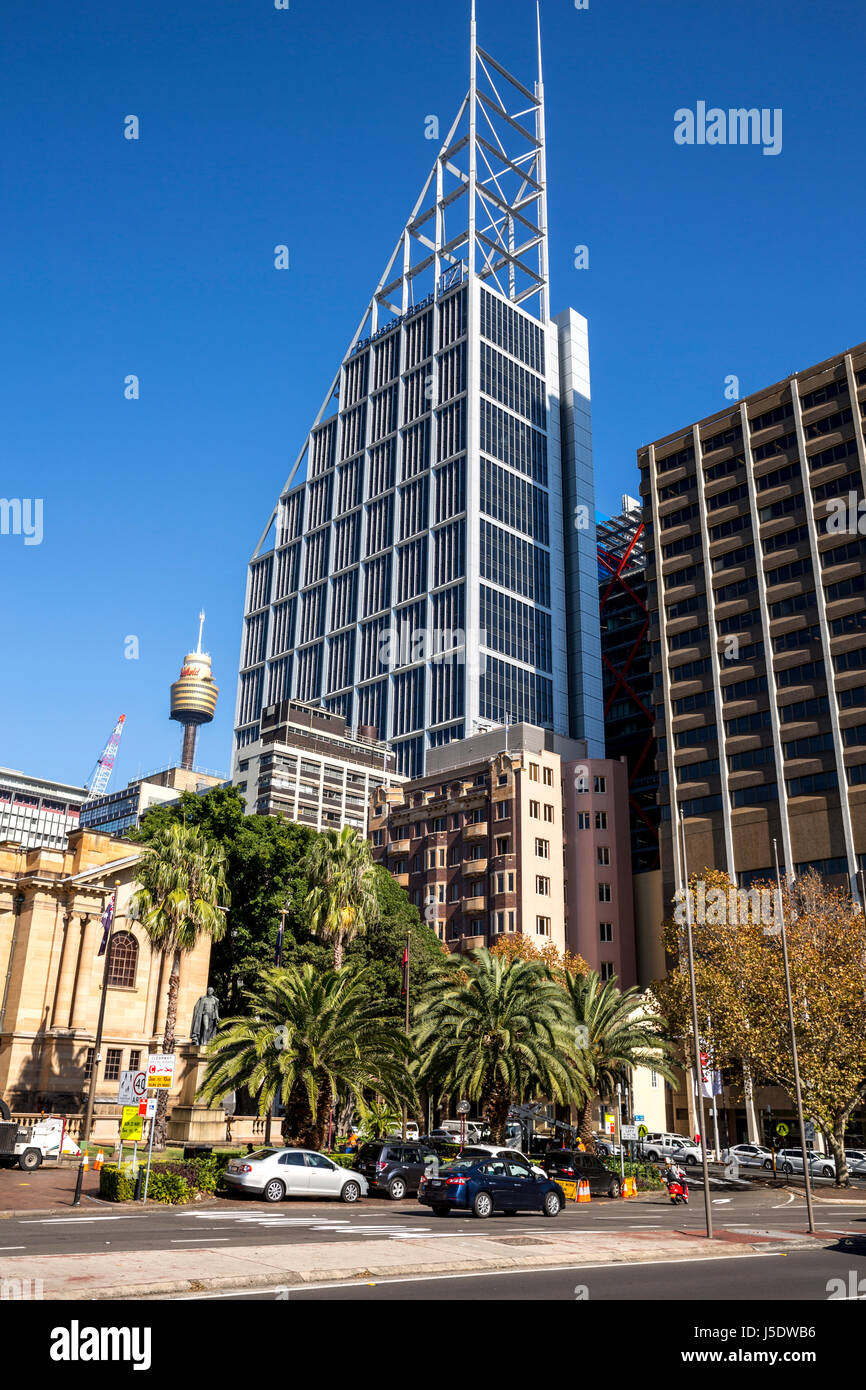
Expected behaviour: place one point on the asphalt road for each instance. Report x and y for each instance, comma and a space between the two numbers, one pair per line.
97, 1228
801, 1275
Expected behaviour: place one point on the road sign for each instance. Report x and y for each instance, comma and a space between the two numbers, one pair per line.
131, 1087
147, 1109
160, 1070
810, 1131
642, 1131
782, 1130
629, 1132
131, 1125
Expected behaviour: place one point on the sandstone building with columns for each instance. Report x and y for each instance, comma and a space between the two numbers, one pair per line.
51, 977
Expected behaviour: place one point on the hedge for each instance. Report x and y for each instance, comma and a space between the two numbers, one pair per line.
647, 1174
171, 1181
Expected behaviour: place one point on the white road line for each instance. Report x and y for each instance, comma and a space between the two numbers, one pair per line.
203, 1241
66, 1220
13, 1247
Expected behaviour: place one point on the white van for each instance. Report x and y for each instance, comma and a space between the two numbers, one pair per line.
473, 1130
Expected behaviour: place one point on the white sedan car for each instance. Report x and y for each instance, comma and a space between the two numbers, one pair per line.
278, 1173
748, 1155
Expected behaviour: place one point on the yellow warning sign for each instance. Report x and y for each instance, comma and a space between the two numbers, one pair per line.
131, 1125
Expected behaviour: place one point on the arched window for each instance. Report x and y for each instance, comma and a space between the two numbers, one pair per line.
123, 960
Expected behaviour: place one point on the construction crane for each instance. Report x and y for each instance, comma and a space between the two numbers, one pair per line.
101, 775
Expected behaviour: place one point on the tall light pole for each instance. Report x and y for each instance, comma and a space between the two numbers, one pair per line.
807, 1176
97, 1042
708, 1209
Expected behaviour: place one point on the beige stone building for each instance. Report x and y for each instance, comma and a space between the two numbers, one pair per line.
51, 975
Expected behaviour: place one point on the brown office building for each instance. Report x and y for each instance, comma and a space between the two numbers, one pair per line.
757, 598
515, 830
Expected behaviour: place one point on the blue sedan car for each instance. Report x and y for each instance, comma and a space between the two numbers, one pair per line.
485, 1185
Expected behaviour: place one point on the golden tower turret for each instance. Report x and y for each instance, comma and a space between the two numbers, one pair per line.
193, 697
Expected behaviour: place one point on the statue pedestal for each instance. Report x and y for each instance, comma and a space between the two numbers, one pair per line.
188, 1121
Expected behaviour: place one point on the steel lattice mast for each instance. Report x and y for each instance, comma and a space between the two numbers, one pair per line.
105, 764
482, 212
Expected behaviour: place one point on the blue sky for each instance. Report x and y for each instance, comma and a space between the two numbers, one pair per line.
306, 127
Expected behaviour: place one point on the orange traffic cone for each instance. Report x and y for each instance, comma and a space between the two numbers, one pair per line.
85, 1161
98, 1161
583, 1192
629, 1187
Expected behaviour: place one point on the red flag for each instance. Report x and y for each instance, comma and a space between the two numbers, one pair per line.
405, 963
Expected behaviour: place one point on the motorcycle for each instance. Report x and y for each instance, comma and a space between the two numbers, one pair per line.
678, 1192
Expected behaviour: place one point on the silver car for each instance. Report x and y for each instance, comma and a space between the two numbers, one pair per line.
277, 1173
820, 1165
749, 1155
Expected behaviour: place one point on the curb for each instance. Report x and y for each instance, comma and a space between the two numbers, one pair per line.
300, 1278
55, 1211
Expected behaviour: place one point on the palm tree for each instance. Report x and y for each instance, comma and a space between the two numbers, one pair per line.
182, 889
614, 1030
341, 901
495, 1031
378, 1118
311, 1035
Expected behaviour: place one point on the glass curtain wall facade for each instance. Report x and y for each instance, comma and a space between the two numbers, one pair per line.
413, 583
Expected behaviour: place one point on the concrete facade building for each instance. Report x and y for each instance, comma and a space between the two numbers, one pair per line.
310, 768
115, 813
36, 811
757, 593
515, 830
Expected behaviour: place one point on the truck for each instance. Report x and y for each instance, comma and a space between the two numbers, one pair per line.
28, 1145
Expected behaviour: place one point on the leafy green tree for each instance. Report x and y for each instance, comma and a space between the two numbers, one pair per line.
182, 889
264, 858
613, 1030
341, 901
309, 1035
264, 868
496, 1031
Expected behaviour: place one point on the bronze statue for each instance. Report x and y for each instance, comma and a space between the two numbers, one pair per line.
205, 1019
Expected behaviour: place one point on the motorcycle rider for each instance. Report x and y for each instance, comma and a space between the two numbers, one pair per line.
674, 1173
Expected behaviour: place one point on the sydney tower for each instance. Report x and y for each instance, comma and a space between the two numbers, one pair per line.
193, 697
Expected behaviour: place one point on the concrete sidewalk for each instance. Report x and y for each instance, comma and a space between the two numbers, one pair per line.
165, 1273
49, 1189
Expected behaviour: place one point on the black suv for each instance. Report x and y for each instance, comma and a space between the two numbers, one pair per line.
572, 1165
391, 1166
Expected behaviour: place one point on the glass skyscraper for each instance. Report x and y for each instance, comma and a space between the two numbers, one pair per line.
430, 566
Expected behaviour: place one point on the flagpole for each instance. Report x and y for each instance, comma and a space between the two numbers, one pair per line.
94, 1070
406, 982
278, 961
708, 1210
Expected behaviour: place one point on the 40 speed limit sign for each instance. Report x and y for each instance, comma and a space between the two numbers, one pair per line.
160, 1070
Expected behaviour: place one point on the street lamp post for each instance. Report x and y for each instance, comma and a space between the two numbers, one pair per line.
97, 1043
697, 1046
807, 1176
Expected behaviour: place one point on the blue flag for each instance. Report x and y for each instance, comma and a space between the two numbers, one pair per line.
107, 919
